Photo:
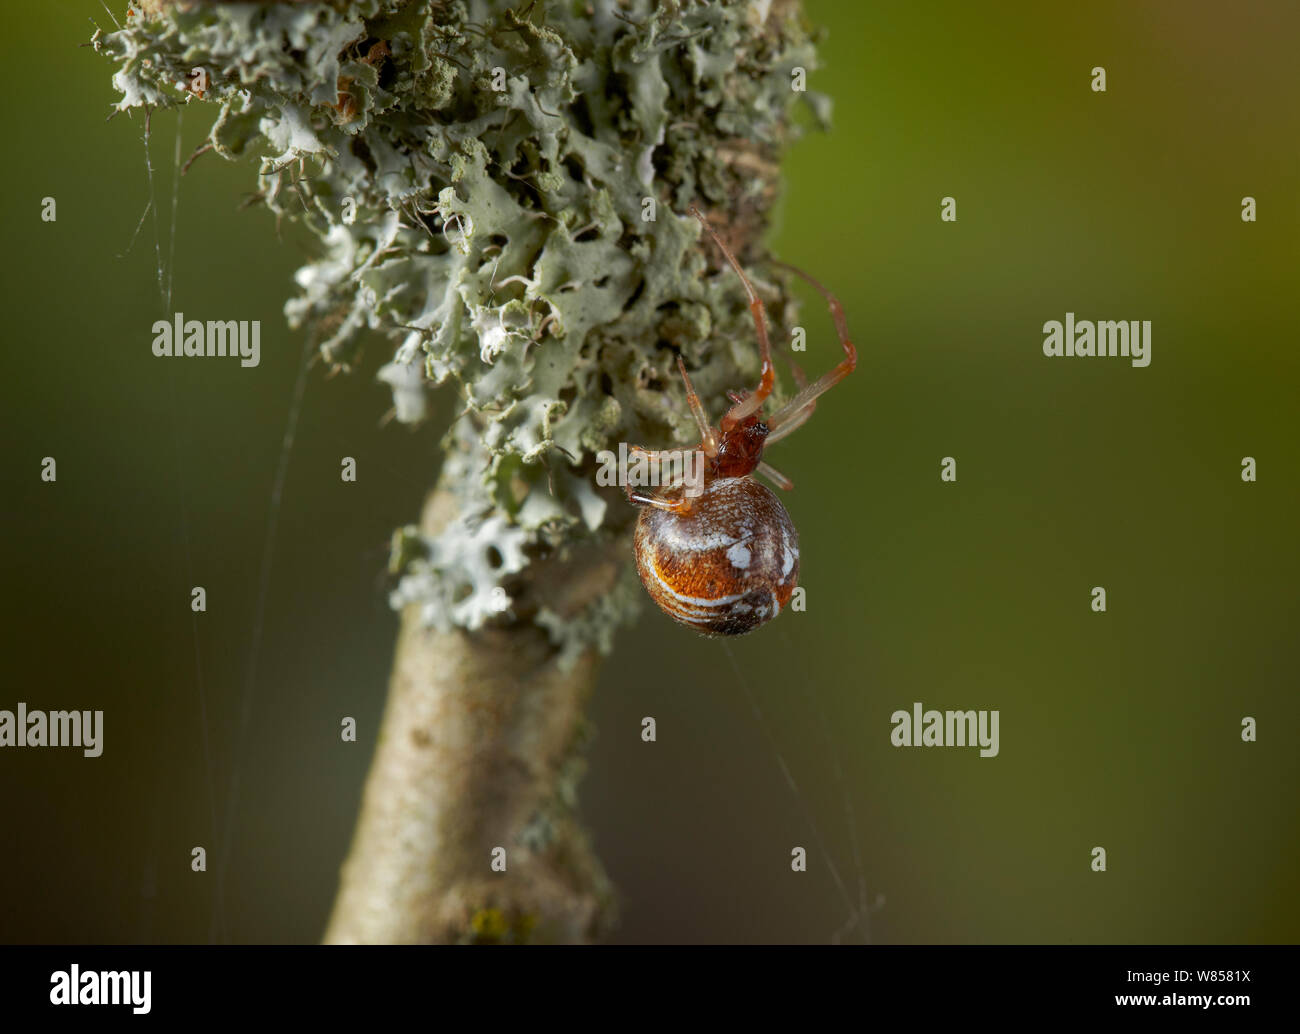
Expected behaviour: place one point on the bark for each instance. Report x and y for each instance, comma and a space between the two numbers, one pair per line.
479, 749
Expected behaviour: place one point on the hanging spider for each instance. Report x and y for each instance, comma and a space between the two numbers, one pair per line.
727, 560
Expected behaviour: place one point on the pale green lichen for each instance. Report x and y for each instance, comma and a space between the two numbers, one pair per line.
595, 625
477, 176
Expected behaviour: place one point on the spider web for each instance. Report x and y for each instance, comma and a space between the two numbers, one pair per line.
222, 835
854, 899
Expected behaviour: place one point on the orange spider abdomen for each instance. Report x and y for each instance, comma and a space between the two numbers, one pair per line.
724, 566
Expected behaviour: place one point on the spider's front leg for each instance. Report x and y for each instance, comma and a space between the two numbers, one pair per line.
801, 407
752, 402
773, 475
637, 497
678, 506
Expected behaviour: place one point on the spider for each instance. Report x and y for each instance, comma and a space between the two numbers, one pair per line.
727, 560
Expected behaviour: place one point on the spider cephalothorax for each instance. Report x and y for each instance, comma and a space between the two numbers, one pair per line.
726, 559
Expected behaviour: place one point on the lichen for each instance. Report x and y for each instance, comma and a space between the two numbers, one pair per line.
479, 178
594, 626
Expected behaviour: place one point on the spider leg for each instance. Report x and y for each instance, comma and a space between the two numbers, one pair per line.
672, 472
806, 397
801, 381
661, 460
790, 423
752, 402
796, 371
651, 454
681, 505
775, 476
708, 437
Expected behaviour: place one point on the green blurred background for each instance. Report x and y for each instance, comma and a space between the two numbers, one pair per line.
1119, 730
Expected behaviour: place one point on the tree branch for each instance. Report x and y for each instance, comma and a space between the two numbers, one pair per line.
479, 749
499, 191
